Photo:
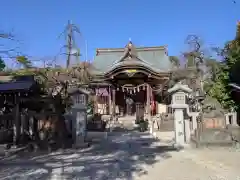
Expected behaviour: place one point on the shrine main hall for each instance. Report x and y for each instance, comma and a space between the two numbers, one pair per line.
131, 80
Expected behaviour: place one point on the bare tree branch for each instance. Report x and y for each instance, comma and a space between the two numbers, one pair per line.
8, 48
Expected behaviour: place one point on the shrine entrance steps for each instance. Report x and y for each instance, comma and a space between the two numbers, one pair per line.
127, 124
163, 122
166, 125
127, 120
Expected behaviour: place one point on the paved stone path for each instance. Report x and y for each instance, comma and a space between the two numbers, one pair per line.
124, 155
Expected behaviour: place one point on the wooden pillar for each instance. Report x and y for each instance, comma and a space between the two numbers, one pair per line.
110, 101
148, 103
31, 126
22, 124
114, 103
16, 124
95, 103
149, 117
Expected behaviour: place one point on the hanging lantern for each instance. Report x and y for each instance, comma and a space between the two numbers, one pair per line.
134, 90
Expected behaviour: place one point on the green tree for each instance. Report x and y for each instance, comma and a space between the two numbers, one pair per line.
24, 62
2, 64
228, 73
212, 69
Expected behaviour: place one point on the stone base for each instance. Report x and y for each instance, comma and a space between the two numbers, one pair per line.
235, 132
182, 146
96, 136
213, 137
82, 145
14, 150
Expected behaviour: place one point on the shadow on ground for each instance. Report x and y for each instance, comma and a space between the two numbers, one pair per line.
123, 155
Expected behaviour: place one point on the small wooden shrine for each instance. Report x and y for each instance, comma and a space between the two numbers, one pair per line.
13, 107
29, 114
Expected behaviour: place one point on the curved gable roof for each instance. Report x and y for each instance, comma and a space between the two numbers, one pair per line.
154, 58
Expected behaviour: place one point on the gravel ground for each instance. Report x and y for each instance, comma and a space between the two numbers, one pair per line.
124, 156
190, 165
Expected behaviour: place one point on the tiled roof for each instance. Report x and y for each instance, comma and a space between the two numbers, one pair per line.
19, 85
155, 58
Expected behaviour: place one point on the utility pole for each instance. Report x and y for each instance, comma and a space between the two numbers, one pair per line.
71, 47
69, 43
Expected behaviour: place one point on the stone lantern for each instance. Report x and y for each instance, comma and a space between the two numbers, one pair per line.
179, 105
78, 112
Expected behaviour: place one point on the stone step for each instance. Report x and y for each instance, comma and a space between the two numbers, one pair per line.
13, 150
167, 136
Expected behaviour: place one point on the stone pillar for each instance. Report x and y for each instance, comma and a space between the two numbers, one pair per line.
193, 115
234, 119
187, 130
79, 126
227, 122
74, 128
179, 127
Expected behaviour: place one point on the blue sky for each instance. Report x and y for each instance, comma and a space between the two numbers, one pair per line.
37, 24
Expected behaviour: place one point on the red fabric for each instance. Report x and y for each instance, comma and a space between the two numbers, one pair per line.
153, 103
153, 107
